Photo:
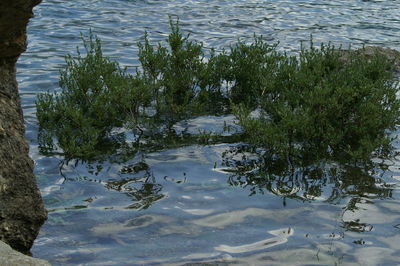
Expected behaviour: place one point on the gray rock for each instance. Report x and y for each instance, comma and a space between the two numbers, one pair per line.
10, 257
393, 56
22, 210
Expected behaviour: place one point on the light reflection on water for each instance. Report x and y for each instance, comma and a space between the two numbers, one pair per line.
180, 207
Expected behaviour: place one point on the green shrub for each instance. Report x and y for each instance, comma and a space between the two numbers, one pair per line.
325, 103
173, 72
252, 67
96, 96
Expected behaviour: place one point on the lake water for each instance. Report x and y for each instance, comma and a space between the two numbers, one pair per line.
178, 205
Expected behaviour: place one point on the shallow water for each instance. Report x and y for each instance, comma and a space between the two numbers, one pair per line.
176, 205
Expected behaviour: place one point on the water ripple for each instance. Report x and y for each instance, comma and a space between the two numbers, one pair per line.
196, 215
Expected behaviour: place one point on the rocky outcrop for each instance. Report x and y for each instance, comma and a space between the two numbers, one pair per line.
393, 56
21, 207
10, 257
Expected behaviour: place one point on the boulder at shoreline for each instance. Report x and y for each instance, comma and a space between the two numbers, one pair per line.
22, 211
10, 257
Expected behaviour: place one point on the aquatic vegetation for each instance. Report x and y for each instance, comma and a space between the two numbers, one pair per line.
172, 72
96, 96
324, 103
183, 83
320, 105
251, 70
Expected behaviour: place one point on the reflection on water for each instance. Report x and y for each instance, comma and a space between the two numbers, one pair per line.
328, 181
281, 236
192, 198
180, 202
143, 190
131, 224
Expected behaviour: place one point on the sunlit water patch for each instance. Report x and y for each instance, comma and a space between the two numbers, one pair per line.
181, 205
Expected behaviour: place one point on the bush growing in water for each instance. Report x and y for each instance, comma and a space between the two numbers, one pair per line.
96, 96
173, 73
182, 81
324, 102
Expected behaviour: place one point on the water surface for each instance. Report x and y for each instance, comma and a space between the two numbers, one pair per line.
178, 205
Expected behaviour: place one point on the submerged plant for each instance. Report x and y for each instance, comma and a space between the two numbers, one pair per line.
173, 72
252, 68
317, 105
96, 96
325, 103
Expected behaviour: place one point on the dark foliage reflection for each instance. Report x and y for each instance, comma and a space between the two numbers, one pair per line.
331, 181
135, 180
